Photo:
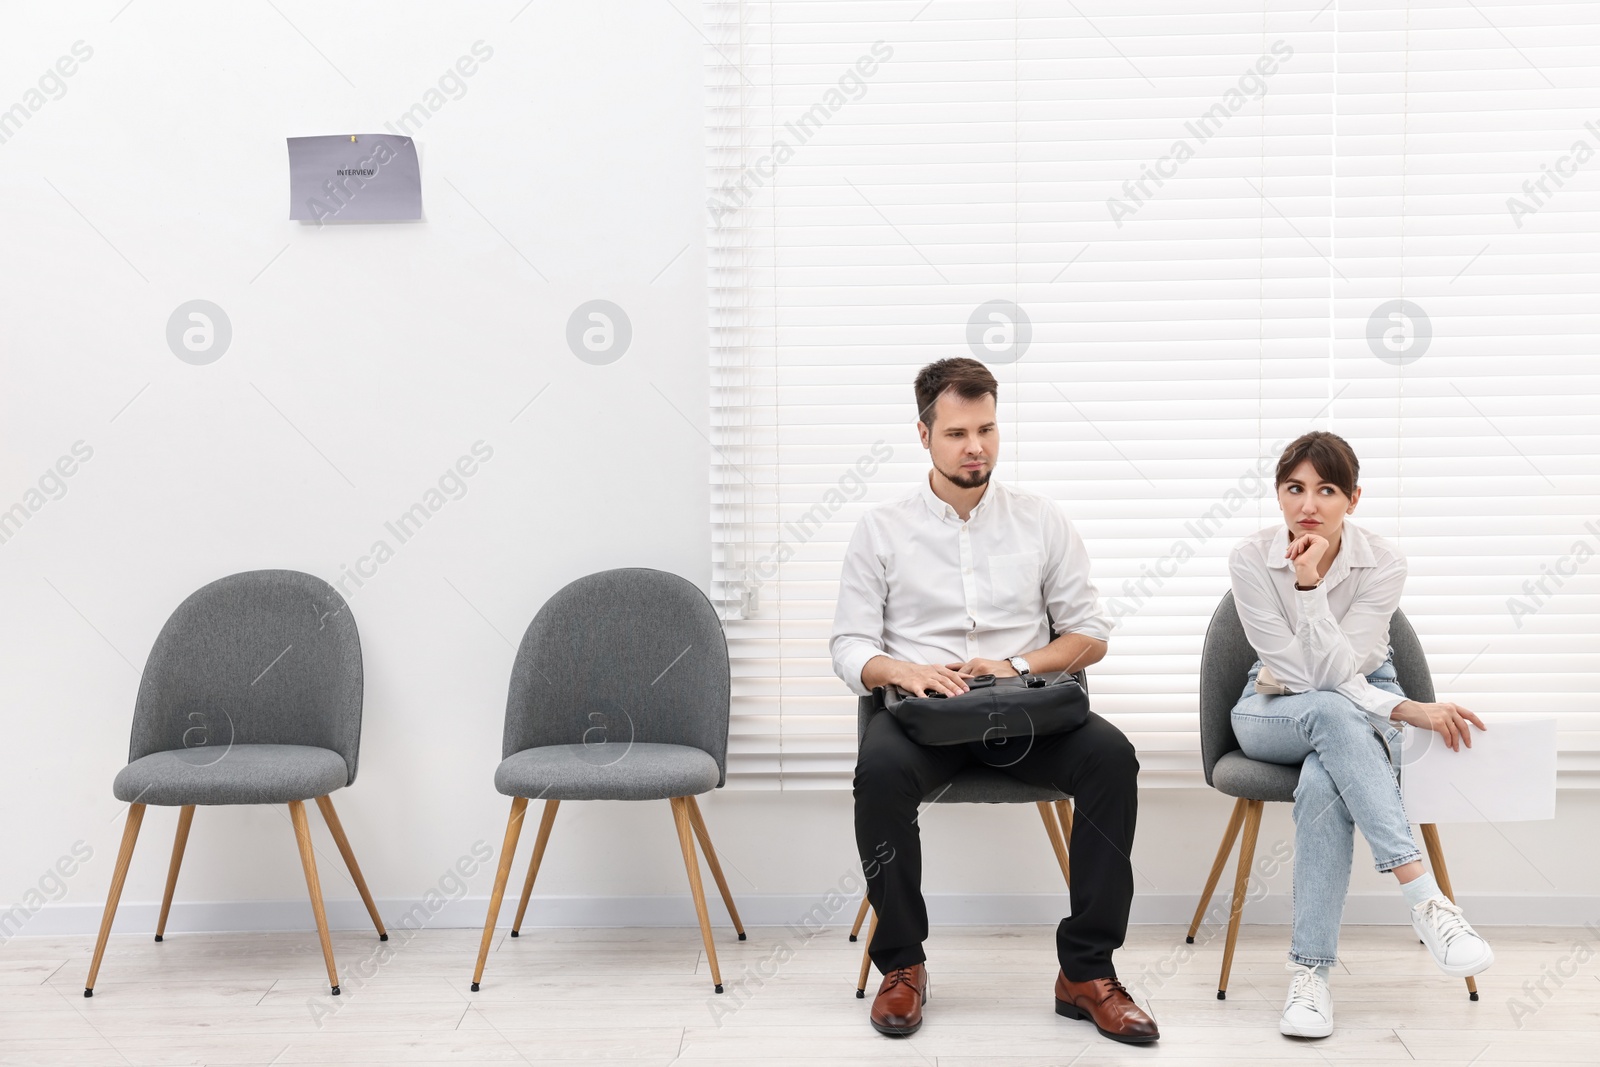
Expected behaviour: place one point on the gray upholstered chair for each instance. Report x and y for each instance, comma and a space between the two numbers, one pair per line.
1225, 662
978, 785
620, 691
251, 695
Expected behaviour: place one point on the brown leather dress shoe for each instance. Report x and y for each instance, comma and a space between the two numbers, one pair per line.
897, 1009
1105, 1003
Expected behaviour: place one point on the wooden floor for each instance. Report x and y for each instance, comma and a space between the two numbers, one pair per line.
643, 996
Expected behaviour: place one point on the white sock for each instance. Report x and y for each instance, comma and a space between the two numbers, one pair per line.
1419, 889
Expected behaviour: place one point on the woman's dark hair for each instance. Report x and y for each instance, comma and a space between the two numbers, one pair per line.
1335, 461
970, 379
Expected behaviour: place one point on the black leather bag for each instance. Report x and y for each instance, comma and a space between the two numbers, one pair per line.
992, 710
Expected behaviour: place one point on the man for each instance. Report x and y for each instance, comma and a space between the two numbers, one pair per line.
964, 577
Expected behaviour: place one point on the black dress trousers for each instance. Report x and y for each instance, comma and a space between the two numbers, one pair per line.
1094, 764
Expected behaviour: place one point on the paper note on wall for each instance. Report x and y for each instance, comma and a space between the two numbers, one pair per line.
359, 178
1508, 775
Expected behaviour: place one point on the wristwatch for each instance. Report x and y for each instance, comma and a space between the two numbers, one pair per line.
1019, 665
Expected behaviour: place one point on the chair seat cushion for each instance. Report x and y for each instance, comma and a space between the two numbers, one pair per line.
232, 774
636, 771
1238, 775
984, 785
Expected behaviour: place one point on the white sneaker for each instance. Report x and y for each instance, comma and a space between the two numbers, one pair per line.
1308, 1011
1456, 946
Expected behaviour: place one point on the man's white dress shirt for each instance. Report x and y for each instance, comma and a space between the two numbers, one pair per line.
921, 585
1328, 638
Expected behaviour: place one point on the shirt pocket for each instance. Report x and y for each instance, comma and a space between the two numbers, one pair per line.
1014, 581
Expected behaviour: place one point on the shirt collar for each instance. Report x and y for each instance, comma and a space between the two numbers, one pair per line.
1354, 551
942, 510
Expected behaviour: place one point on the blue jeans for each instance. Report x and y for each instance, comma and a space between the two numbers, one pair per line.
1348, 763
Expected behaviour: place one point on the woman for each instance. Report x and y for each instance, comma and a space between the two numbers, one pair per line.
1315, 599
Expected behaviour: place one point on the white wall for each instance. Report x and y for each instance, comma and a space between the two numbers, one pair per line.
364, 360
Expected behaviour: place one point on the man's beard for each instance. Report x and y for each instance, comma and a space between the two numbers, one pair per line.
969, 480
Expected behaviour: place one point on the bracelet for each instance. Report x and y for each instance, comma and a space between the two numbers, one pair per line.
1306, 588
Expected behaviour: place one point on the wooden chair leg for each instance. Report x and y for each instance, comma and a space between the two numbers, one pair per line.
546, 820
185, 817
308, 860
331, 817
866, 959
1441, 874
691, 863
1053, 828
119, 874
1241, 885
698, 821
1064, 815
861, 917
508, 851
1229, 836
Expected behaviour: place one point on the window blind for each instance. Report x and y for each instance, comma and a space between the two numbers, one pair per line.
1465, 230
1165, 227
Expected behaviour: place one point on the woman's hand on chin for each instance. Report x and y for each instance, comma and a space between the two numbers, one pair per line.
1447, 720
1306, 552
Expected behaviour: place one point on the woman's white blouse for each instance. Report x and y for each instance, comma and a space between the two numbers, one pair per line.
1331, 637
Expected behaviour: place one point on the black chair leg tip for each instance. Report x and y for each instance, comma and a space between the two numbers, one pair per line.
741, 935
1472, 996
852, 938
1189, 940
1222, 994
158, 937
335, 991
514, 933
719, 989
861, 994
383, 937
474, 987
88, 992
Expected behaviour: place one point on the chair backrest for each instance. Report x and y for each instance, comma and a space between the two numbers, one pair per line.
1410, 662
866, 705
1226, 659
622, 656
266, 657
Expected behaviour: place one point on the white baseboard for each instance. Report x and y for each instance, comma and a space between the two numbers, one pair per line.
944, 909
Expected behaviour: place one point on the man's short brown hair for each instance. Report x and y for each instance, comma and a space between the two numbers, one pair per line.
1335, 461
970, 379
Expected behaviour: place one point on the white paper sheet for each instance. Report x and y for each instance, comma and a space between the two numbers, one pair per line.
354, 178
1508, 775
